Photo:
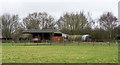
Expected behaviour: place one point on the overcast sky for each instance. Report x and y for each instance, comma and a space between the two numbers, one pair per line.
56, 8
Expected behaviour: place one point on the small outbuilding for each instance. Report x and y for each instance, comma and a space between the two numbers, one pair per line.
45, 35
86, 37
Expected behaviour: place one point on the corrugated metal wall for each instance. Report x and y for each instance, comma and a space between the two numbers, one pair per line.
58, 39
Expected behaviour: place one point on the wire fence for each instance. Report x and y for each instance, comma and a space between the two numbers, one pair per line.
26, 43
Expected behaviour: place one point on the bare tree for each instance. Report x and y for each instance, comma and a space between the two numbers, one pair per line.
91, 23
38, 21
108, 22
73, 22
11, 26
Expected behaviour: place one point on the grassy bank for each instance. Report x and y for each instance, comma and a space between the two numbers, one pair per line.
60, 54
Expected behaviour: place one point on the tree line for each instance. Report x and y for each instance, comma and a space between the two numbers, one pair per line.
104, 28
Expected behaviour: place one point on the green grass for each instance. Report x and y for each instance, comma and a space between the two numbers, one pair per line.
20, 44
60, 54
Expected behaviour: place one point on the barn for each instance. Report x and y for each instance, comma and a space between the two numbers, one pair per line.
45, 35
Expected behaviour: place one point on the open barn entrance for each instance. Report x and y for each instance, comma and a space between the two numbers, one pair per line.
42, 36
45, 35
57, 34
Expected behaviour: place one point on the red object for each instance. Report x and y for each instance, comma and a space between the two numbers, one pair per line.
36, 40
43, 38
58, 39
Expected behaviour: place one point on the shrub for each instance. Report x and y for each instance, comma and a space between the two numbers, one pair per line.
74, 37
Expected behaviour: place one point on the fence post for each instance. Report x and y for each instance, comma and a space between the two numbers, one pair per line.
50, 43
109, 43
93, 44
78, 42
64, 44
118, 43
37, 44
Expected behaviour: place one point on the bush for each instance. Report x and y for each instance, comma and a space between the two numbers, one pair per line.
74, 37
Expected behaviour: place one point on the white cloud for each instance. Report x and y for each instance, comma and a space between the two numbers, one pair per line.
78, 1
58, 7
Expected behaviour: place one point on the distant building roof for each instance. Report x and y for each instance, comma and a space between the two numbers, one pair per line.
42, 31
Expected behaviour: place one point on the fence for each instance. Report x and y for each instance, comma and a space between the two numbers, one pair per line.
25, 43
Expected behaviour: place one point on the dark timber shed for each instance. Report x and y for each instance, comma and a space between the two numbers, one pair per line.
45, 35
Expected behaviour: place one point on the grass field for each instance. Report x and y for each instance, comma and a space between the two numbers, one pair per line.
21, 44
60, 53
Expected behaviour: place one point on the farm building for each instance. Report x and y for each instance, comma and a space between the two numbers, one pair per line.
86, 37
45, 35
